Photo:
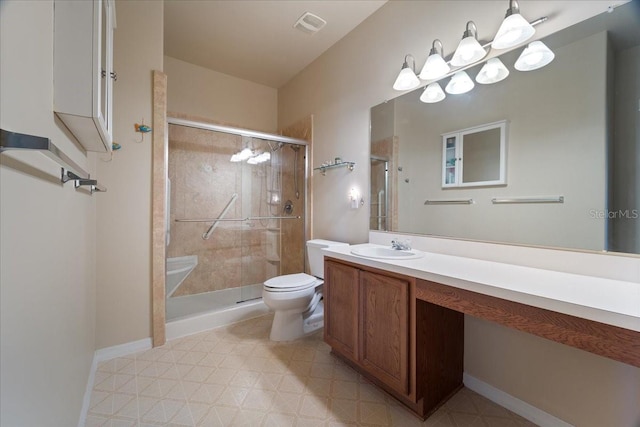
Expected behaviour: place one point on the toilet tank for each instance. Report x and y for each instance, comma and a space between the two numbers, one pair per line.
316, 256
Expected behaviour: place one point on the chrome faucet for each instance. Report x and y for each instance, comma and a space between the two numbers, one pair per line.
400, 245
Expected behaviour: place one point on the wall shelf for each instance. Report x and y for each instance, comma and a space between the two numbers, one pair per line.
323, 169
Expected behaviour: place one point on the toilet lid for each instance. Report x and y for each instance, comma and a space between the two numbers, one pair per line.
290, 282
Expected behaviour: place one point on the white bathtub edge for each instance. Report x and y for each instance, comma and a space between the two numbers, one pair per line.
205, 321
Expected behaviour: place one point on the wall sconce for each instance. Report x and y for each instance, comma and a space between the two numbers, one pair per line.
407, 78
513, 30
435, 67
356, 200
469, 50
535, 56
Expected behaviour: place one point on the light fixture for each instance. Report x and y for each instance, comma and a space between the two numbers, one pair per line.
536, 55
435, 66
407, 78
432, 93
492, 72
356, 200
460, 83
260, 158
469, 50
513, 30
250, 156
245, 154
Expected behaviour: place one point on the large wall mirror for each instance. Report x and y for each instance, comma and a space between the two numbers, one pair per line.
572, 155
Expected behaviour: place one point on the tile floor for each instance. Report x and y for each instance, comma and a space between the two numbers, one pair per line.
234, 376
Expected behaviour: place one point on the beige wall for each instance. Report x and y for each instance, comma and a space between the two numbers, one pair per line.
200, 92
124, 212
340, 87
47, 245
357, 73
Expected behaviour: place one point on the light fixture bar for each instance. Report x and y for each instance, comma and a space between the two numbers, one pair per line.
484, 46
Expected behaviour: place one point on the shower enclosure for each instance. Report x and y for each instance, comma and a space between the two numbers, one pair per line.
237, 210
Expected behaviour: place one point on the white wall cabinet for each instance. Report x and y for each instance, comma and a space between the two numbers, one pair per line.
83, 72
475, 156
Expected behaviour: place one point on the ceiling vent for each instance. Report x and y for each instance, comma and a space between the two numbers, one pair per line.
309, 23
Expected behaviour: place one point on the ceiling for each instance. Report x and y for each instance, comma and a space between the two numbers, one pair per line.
255, 40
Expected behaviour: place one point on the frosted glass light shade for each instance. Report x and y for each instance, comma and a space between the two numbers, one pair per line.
434, 68
513, 31
406, 80
245, 154
536, 55
492, 72
432, 93
468, 52
459, 83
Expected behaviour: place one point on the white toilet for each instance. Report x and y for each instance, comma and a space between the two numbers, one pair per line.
296, 298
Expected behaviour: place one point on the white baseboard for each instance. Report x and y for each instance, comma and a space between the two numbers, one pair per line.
125, 349
87, 393
531, 413
100, 356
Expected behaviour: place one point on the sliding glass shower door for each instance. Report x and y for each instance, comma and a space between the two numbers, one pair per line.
235, 202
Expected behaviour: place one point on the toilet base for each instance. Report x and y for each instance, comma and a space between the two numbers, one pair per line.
291, 325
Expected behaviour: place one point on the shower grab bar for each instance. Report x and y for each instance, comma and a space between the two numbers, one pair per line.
505, 200
449, 202
249, 218
70, 170
216, 221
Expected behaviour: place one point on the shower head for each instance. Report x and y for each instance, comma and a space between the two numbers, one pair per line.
294, 147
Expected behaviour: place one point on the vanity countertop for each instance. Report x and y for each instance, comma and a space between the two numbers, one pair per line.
608, 301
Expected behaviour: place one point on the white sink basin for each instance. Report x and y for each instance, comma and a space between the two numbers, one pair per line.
385, 253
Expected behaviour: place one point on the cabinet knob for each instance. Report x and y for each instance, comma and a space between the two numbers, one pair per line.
114, 76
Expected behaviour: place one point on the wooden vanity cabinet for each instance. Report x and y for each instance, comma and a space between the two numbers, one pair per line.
341, 309
384, 329
410, 348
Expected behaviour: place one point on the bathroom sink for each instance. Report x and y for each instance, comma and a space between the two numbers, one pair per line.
385, 253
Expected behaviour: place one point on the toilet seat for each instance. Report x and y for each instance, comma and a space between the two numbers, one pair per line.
290, 283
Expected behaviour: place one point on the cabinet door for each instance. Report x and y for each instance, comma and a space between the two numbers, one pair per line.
450, 160
384, 339
105, 64
341, 308
82, 67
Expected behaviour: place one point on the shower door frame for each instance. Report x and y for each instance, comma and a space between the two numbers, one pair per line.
160, 177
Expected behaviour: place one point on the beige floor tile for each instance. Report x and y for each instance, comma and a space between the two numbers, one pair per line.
314, 407
278, 420
284, 402
235, 376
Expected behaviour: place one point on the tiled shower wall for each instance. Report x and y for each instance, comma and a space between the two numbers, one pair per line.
203, 181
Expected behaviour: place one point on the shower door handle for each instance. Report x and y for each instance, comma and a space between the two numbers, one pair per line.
207, 233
